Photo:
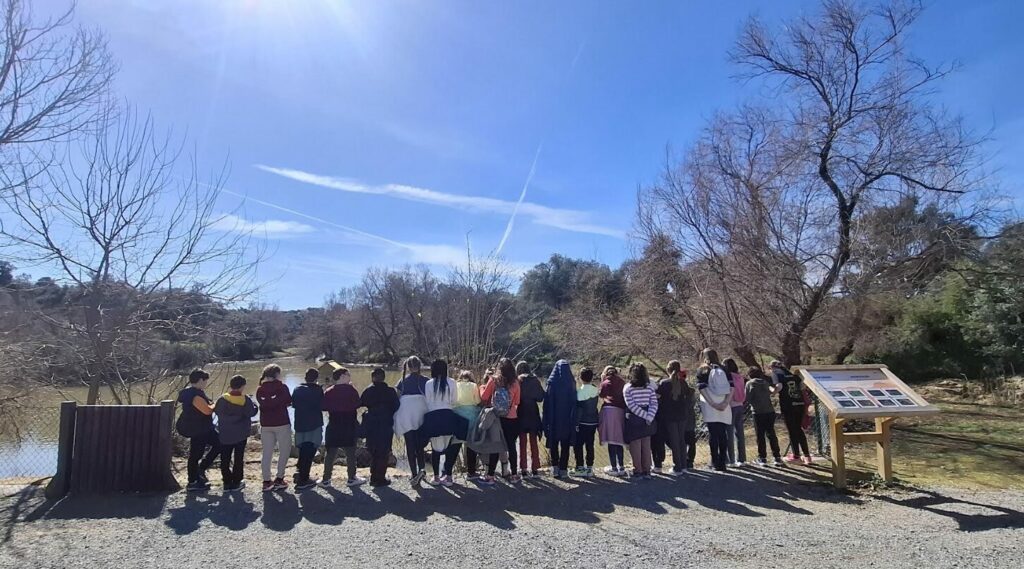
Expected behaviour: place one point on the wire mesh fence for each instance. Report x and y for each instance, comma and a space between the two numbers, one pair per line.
28, 443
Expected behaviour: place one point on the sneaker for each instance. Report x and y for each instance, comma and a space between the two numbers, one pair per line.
761, 462
236, 487
268, 485
535, 474
357, 481
779, 463
808, 460
738, 464
515, 479
196, 486
280, 484
792, 458
326, 483
417, 478
657, 470
590, 472
487, 481
474, 477
620, 473
447, 481
379, 483
434, 481
675, 472
304, 484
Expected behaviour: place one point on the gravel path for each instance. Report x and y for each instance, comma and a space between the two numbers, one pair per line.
746, 518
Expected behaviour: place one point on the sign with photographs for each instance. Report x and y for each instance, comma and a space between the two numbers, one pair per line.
863, 391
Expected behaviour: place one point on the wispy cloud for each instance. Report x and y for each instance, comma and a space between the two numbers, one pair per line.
269, 227
430, 254
522, 197
565, 219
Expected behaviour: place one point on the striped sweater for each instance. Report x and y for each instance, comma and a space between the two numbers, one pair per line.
641, 401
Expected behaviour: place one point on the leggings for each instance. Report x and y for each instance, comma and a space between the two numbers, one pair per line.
414, 452
529, 440
718, 440
471, 461
510, 427
616, 456
198, 463
585, 440
794, 418
450, 455
350, 461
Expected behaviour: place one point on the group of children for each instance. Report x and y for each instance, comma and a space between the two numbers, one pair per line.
500, 421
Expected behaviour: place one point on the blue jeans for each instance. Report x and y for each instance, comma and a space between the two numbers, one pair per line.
737, 446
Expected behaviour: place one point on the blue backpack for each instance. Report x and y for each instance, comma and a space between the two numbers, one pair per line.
501, 402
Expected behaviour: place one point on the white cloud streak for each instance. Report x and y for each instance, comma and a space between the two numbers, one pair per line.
271, 227
565, 219
522, 196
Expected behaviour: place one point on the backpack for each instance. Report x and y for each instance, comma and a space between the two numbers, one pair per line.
719, 382
501, 401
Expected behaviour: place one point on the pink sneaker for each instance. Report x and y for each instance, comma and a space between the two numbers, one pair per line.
791, 458
808, 460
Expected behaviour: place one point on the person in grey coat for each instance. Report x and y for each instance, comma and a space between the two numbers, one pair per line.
234, 411
485, 438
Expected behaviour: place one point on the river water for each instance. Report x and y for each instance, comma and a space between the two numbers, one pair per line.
28, 439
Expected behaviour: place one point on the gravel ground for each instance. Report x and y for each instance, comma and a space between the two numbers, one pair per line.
750, 517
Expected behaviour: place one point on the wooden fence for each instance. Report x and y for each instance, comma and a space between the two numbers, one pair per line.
114, 448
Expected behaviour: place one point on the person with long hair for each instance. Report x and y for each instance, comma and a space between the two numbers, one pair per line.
412, 391
794, 409
737, 446
675, 407
641, 406
560, 417
275, 425
612, 420
502, 394
441, 396
715, 389
467, 406
530, 427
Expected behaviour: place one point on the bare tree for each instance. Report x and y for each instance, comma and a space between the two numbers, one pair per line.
124, 218
777, 192
54, 80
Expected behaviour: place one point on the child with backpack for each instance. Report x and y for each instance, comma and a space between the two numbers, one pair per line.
715, 387
308, 401
381, 402
275, 426
794, 409
341, 401
502, 394
196, 424
234, 411
560, 416
759, 397
587, 419
612, 420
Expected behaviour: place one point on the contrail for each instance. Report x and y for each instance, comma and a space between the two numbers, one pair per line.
522, 196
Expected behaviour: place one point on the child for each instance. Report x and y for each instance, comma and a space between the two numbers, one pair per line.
642, 404
502, 394
341, 400
275, 426
675, 407
791, 402
467, 406
737, 448
381, 402
441, 393
412, 389
235, 411
560, 416
612, 419
759, 396
715, 389
196, 424
530, 426
308, 401
586, 424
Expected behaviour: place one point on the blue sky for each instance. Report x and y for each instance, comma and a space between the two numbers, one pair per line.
385, 133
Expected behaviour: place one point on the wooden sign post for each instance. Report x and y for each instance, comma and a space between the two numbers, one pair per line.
869, 392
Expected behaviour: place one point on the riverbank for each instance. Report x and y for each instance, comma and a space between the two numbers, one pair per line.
748, 517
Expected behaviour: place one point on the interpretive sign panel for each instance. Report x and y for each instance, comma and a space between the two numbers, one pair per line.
863, 391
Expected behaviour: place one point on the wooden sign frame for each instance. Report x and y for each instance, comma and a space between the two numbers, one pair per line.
882, 416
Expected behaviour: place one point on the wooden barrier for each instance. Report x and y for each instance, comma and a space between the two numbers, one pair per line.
114, 448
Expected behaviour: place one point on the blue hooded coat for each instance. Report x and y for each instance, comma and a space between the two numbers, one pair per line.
560, 405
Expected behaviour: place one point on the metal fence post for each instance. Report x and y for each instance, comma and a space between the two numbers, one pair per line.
61, 481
